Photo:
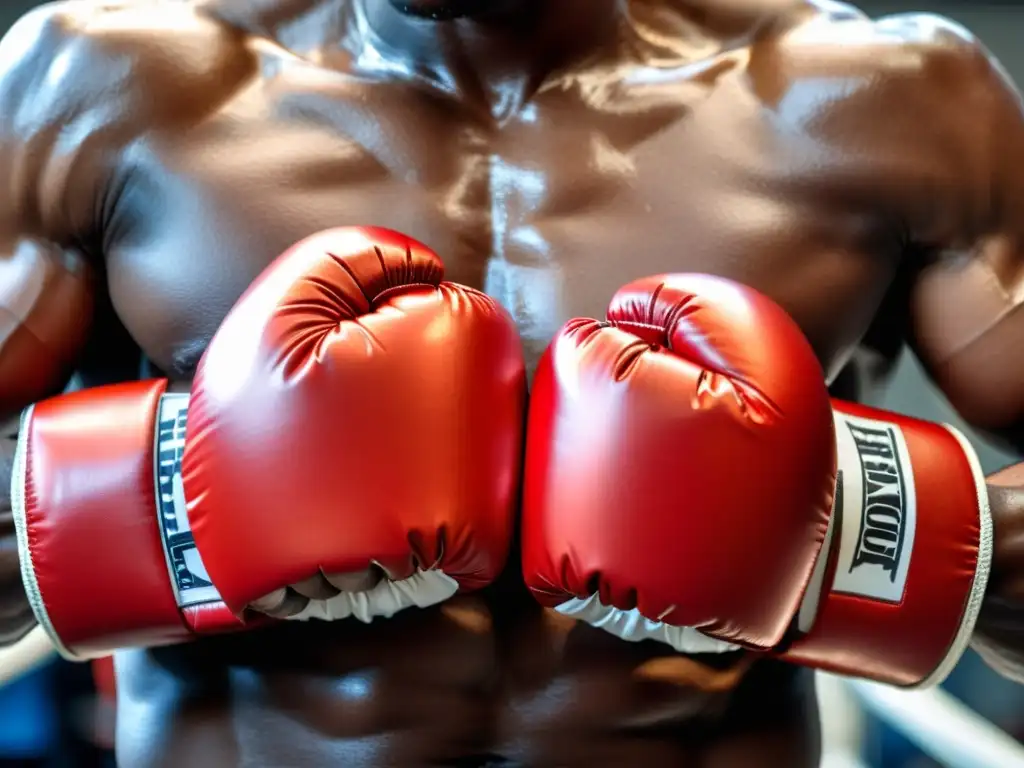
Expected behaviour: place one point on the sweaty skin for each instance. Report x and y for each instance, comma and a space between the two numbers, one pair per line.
867, 175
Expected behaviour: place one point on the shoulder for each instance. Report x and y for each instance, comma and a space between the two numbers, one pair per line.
912, 110
824, 19
65, 59
949, 62
81, 80
920, 54
939, 50
165, 25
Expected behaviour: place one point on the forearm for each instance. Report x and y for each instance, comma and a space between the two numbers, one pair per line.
16, 617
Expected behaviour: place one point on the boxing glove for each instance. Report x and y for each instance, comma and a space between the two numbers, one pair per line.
680, 465
683, 460
352, 409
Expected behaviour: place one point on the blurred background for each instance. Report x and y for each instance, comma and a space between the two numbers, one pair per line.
51, 717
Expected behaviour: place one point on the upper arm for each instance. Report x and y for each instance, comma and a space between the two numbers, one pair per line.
46, 286
81, 84
959, 196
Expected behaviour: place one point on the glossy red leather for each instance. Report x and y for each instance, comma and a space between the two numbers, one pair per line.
945, 538
91, 525
680, 460
355, 409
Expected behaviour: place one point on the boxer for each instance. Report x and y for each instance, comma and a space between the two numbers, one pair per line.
863, 175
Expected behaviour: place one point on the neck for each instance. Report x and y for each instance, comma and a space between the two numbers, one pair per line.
498, 58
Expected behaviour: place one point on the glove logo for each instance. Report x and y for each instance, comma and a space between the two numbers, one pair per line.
876, 507
188, 574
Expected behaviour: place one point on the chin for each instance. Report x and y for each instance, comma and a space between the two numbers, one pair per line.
445, 10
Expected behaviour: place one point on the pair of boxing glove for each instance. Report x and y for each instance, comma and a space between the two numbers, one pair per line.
686, 479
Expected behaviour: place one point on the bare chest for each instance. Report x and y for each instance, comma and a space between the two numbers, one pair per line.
592, 183
589, 185
456, 686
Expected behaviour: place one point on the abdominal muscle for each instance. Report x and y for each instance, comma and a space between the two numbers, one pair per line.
479, 680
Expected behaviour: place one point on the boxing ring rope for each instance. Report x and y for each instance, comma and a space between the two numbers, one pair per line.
842, 724
934, 721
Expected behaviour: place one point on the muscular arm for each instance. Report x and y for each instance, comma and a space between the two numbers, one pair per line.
966, 319
46, 287
67, 112
956, 189
968, 328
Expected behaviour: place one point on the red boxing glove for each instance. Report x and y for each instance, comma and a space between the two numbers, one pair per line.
352, 409
681, 467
